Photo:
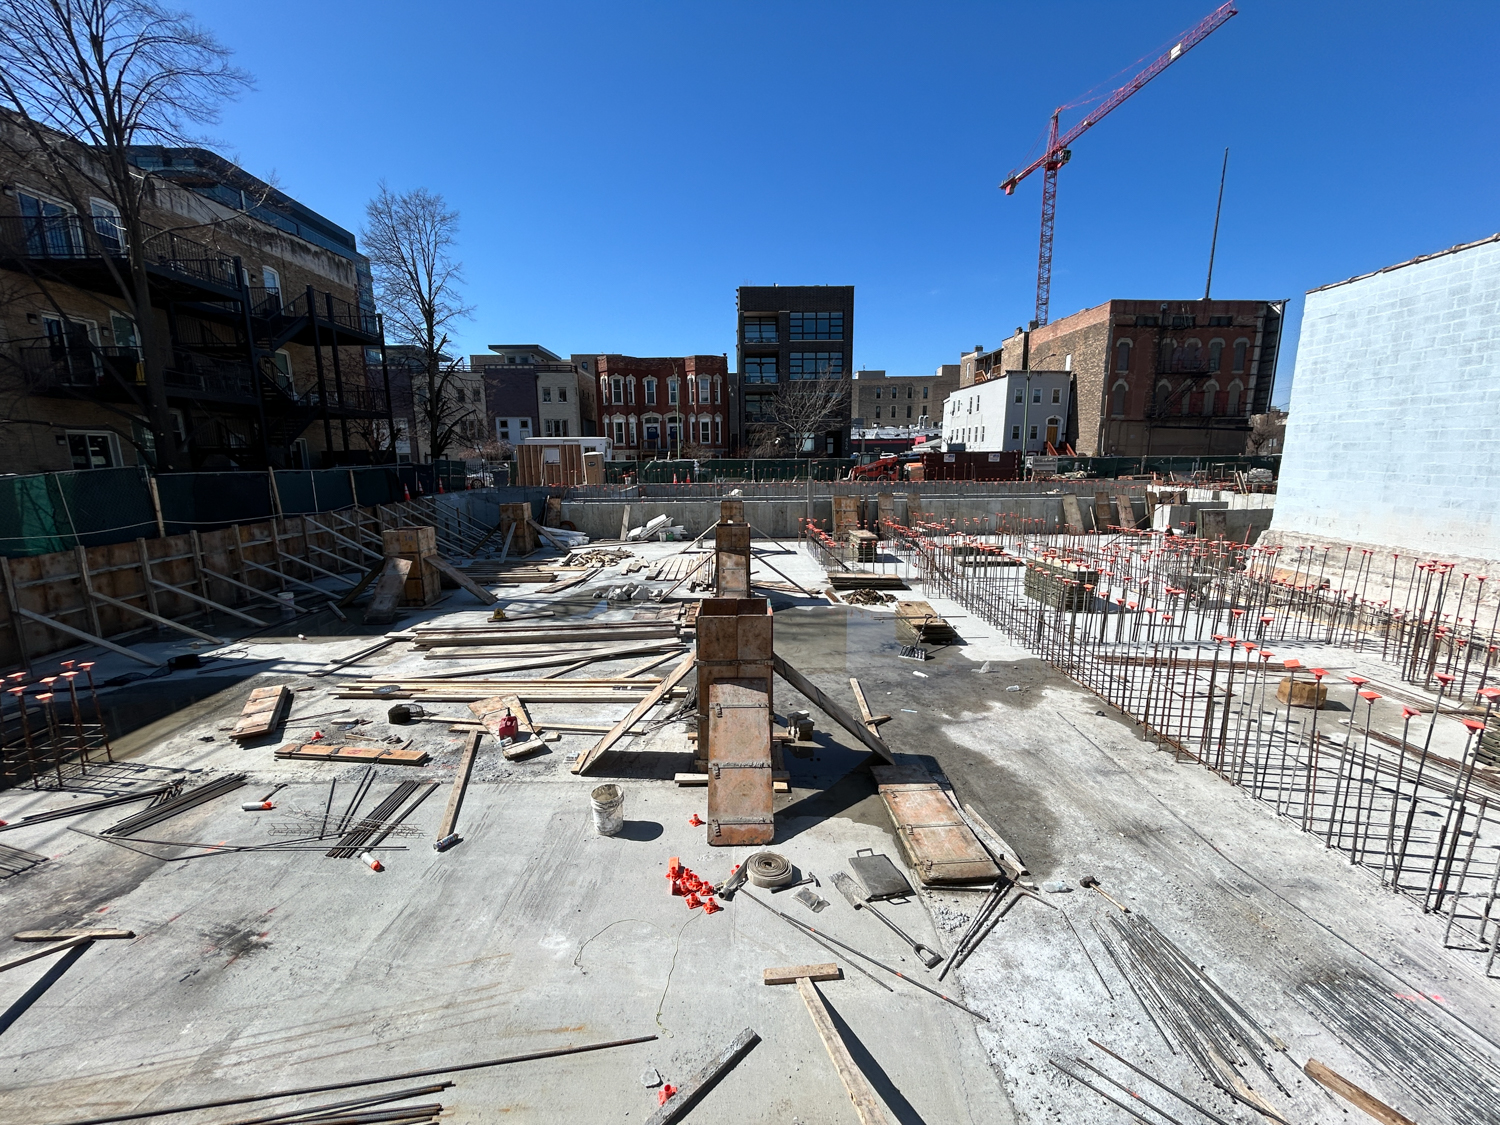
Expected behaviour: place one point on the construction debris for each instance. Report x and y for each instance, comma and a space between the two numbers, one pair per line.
264, 712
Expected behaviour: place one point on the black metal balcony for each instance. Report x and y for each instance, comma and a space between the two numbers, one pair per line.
77, 251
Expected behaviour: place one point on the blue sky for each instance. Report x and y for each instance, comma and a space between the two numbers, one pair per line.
621, 168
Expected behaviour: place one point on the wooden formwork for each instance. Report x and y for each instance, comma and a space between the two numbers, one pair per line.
227, 577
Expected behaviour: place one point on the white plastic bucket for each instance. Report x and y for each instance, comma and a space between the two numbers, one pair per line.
609, 809
288, 605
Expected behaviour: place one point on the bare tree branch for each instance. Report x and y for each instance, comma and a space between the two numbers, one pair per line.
799, 413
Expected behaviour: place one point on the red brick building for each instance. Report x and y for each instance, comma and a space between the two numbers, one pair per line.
664, 406
1153, 377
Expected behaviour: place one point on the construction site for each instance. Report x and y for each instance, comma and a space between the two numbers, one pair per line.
1044, 814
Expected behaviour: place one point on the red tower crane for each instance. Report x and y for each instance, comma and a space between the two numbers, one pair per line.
1058, 152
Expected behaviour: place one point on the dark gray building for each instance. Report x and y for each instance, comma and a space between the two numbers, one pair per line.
789, 336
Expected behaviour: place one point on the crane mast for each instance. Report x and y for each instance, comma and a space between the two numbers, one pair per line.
1059, 149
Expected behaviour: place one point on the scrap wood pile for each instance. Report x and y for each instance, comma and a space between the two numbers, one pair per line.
597, 556
698, 565
864, 596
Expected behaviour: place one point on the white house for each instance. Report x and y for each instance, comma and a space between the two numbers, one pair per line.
1020, 410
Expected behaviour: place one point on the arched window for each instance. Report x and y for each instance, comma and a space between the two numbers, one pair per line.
1210, 392
1215, 351
1117, 399
1122, 356
1187, 396
651, 391
1166, 356
1163, 394
630, 396
1192, 355
1234, 398
1240, 348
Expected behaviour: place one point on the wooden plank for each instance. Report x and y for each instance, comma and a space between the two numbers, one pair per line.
460, 785
658, 693
192, 597
936, 840
375, 755
871, 720
739, 764
866, 1105
1347, 1090
464, 581
45, 951
63, 935
388, 590
15, 612
528, 738
264, 711
832, 709
149, 616
693, 1089
88, 637
791, 973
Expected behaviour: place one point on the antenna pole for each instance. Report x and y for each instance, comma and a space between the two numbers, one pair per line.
1214, 245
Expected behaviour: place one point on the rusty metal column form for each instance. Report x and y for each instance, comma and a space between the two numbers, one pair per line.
734, 667
732, 551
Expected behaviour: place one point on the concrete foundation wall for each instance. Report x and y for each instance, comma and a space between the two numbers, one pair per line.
1395, 411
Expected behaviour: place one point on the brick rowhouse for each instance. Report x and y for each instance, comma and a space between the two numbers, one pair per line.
1153, 377
664, 406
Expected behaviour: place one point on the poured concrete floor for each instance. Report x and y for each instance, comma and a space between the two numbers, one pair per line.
263, 970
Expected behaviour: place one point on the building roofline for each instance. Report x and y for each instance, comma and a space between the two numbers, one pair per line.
524, 347
1409, 262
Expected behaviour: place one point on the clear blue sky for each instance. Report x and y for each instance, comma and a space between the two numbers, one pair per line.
621, 168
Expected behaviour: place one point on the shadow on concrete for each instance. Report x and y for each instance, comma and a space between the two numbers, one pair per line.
901, 1109
640, 830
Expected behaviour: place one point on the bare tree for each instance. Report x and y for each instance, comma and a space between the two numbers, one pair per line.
1267, 432
410, 238
797, 415
86, 80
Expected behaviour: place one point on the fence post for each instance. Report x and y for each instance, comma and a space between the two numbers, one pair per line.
275, 492
161, 524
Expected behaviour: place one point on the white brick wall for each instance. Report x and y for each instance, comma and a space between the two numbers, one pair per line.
1394, 435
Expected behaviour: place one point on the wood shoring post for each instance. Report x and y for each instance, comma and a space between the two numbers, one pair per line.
13, 602
199, 574
148, 584
85, 583
161, 524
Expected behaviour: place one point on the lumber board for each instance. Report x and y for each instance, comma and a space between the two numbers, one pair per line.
263, 713
359, 587
44, 951
443, 566
460, 785
790, 974
833, 710
657, 694
866, 1105
856, 580
90, 638
1333, 1080
388, 590
693, 1089
938, 843
528, 737
64, 935
376, 755
871, 720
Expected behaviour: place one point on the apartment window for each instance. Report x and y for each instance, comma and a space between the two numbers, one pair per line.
546, 394
562, 394
1182, 322
672, 391
1033, 433
1147, 321
705, 430
620, 431
1015, 433
704, 390
272, 281
1020, 394
650, 392
107, 224
554, 427
49, 227
815, 365
877, 414
1056, 395
617, 391
282, 362
924, 394
630, 391
1122, 356
502, 428
718, 430
817, 326
877, 392
525, 424
632, 431
716, 392
908, 411
123, 330
91, 450
1210, 391
1215, 354
1240, 348
1036, 395
760, 330
1220, 321
760, 369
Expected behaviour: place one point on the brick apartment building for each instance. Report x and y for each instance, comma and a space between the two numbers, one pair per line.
271, 344
664, 406
531, 391
1152, 377
789, 334
880, 400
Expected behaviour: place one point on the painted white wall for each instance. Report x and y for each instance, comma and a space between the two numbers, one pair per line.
987, 417
1394, 434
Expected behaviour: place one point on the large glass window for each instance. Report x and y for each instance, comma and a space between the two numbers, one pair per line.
815, 365
817, 326
760, 330
760, 369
